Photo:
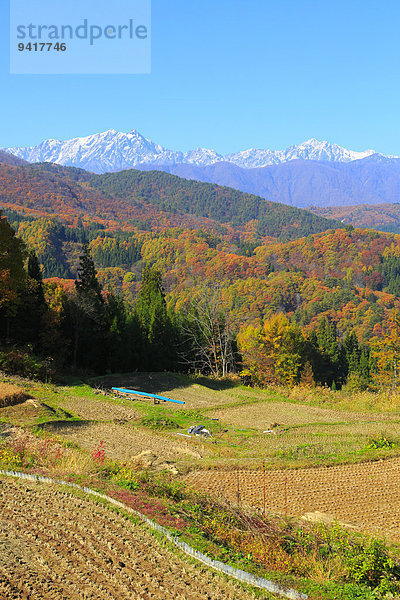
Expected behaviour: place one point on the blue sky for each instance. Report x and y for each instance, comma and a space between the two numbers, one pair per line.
230, 75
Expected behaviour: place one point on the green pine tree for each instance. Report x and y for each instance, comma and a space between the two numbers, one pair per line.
34, 271
152, 314
12, 276
84, 318
87, 282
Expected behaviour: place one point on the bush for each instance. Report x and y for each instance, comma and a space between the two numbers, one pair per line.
25, 364
372, 565
366, 562
355, 383
381, 442
158, 422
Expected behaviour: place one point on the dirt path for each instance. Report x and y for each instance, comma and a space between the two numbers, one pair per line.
54, 546
366, 495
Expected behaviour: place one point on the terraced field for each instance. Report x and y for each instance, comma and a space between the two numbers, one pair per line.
334, 460
366, 495
47, 553
124, 441
304, 434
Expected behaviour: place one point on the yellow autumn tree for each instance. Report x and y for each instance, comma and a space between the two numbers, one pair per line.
250, 347
282, 343
386, 352
273, 353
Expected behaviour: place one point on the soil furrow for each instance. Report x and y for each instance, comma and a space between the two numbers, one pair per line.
54, 546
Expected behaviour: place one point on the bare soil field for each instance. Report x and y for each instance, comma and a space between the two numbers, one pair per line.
366, 495
304, 434
55, 546
240, 406
125, 441
261, 415
99, 410
197, 395
27, 413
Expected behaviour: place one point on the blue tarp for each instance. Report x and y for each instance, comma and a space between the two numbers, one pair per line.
136, 393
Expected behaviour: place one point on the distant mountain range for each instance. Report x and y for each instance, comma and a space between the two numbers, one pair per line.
114, 151
304, 183
310, 174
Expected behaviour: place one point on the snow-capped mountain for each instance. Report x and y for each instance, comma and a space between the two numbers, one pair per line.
114, 151
101, 152
309, 150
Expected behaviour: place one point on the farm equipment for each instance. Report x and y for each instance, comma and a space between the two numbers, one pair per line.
157, 399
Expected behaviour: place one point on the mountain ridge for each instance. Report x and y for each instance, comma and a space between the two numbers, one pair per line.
10, 159
114, 151
374, 179
158, 199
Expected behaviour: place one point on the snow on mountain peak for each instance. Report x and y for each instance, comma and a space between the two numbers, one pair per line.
112, 150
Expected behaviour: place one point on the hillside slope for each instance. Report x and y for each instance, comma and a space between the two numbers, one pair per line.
9, 159
383, 217
158, 198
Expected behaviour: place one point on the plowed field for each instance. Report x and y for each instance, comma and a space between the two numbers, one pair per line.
55, 546
366, 495
124, 441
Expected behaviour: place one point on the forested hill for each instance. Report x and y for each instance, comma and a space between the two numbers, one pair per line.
10, 159
382, 217
141, 195
222, 204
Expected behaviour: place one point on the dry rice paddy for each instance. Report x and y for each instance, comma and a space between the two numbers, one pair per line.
366, 495
47, 553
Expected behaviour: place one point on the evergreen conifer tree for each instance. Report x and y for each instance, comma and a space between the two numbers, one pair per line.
87, 282
29, 319
152, 314
84, 321
34, 271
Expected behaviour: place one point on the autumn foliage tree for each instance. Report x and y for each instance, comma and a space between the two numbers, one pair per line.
274, 352
386, 352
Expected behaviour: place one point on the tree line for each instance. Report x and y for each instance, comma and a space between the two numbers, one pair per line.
280, 352
90, 329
